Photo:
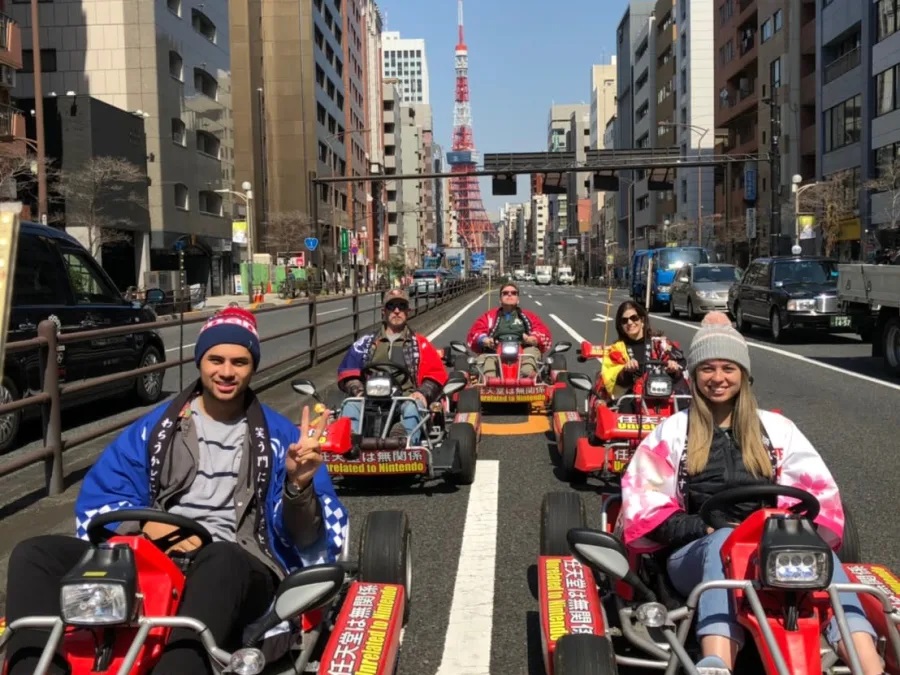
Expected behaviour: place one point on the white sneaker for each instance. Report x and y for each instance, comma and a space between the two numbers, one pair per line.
712, 665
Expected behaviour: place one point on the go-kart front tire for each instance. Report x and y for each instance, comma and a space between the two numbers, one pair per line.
584, 655
560, 512
564, 400
568, 450
467, 450
851, 550
385, 552
469, 401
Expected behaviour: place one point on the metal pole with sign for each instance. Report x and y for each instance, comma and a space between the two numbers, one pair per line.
9, 241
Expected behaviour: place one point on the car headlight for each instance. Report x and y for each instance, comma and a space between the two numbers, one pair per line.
794, 556
664, 289
96, 604
378, 387
801, 305
705, 294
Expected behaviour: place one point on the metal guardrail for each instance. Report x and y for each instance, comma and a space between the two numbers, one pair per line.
50, 398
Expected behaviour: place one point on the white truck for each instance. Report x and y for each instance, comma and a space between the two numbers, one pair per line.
870, 296
564, 276
543, 275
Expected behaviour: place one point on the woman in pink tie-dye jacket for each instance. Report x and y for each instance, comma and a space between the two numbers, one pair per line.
724, 441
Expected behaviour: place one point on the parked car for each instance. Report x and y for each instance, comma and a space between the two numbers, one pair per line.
429, 282
702, 288
55, 278
788, 292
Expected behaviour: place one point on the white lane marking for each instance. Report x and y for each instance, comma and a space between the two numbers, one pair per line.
796, 357
602, 317
437, 331
175, 349
333, 311
538, 303
566, 327
467, 647
580, 296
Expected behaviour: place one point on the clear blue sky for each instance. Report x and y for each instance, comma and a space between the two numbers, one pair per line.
524, 55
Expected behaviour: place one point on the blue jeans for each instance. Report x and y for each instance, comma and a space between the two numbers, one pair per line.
410, 416
701, 561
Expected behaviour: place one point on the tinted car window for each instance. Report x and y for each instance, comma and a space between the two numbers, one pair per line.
88, 284
37, 280
804, 272
424, 274
724, 273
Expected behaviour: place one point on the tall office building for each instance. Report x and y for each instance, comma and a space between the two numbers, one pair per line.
12, 120
169, 63
405, 60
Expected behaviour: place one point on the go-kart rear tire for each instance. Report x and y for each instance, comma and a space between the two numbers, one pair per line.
584, 655
469, 401
560, 512
467, 447
564, 400
568, 449
385, 552
851, 550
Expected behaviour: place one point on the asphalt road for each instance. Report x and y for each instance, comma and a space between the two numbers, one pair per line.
474, 607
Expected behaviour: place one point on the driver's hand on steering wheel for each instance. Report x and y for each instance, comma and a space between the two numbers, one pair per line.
673, 367
632, 365
159, 530
488, 343
529, 340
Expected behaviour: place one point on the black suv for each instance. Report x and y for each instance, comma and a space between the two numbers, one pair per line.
57, 279
788, 292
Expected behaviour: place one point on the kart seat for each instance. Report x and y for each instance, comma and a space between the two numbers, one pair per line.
308, 576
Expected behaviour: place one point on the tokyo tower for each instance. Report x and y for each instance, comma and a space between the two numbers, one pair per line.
472, 222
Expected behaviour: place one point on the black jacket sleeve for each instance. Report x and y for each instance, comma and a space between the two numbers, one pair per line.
430, 390
679, 529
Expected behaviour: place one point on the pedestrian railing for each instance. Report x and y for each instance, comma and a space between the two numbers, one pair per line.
56, 441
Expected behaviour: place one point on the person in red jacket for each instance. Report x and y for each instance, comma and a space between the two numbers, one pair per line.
509, 319
395, 342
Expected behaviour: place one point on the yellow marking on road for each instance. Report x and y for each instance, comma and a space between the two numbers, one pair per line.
535, 424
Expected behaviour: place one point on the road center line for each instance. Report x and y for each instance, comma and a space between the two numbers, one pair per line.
796, 357
538, 303
467, 647
175, 349
437, 331
566, 327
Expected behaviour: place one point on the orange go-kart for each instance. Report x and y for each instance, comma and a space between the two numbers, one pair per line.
543, 391
120, 603
602, 441
603, 607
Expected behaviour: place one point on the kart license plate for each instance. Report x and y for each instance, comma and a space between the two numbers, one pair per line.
840, 322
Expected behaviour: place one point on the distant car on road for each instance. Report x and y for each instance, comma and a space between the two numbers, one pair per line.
55, 278
702, 288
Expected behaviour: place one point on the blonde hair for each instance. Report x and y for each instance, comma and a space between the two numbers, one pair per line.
747, 432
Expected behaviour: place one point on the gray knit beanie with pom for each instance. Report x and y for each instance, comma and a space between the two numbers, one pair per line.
717, 339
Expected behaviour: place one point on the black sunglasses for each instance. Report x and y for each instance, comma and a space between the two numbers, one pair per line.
394, 306
632, 318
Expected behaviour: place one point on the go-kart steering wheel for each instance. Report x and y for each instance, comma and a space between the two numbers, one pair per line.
392, 370
712, 510
186, 528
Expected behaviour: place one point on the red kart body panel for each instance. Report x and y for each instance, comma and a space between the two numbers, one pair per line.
366, 635
509, 387
569, 602
884, 579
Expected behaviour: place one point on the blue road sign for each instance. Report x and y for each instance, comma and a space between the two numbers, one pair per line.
180, 245
477, 261
311, 243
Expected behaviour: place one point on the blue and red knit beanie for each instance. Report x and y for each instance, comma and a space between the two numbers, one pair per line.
231, 326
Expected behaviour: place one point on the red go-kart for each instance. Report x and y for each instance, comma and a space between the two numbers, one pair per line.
602, 442
543, 391
120, 603
602, 607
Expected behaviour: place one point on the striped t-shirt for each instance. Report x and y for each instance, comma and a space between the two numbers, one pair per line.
210, 498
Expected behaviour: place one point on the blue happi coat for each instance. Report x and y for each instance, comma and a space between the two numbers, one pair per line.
120, 479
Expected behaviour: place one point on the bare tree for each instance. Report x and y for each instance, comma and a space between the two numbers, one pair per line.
834, 198
888, 182
101, 195
15, 169
285, 231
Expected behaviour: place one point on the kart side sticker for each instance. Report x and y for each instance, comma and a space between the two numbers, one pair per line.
631, 423
513, 394
569, 601
378, 463
878, 576
365, 637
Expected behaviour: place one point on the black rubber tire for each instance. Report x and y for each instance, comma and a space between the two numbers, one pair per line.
461, 363
564, 400
568, 449
560, 512
577, 654
560, 363
467, 447
8, 441
385, 552
851, 549
143, 395
469, 401
739, 322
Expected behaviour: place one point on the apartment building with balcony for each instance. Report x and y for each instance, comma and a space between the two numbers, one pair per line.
392, 100
645, 96
665, 34
375, 236
12, 120
540, 225
426, 200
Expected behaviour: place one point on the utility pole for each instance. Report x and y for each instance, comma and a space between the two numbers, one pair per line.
39, 112
774, 168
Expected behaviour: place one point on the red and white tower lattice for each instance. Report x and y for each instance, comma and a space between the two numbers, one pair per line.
472, 222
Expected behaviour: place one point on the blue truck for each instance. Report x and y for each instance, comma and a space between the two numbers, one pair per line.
666, 262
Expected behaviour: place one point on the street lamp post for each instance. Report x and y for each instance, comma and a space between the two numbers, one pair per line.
247, 197
39, 111
798, 189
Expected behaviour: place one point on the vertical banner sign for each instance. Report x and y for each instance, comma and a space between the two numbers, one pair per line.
9, 239
345, 241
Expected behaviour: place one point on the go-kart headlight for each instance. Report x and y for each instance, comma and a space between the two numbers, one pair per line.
97, 604
659, 386
793, 555
100, 589
509, 350
247, 661
378, 387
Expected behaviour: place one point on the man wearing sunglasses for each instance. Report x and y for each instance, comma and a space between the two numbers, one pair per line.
509, 319
395, 343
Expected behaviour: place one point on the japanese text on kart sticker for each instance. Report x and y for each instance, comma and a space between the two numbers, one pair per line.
361, 643
380, 462
568, 606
